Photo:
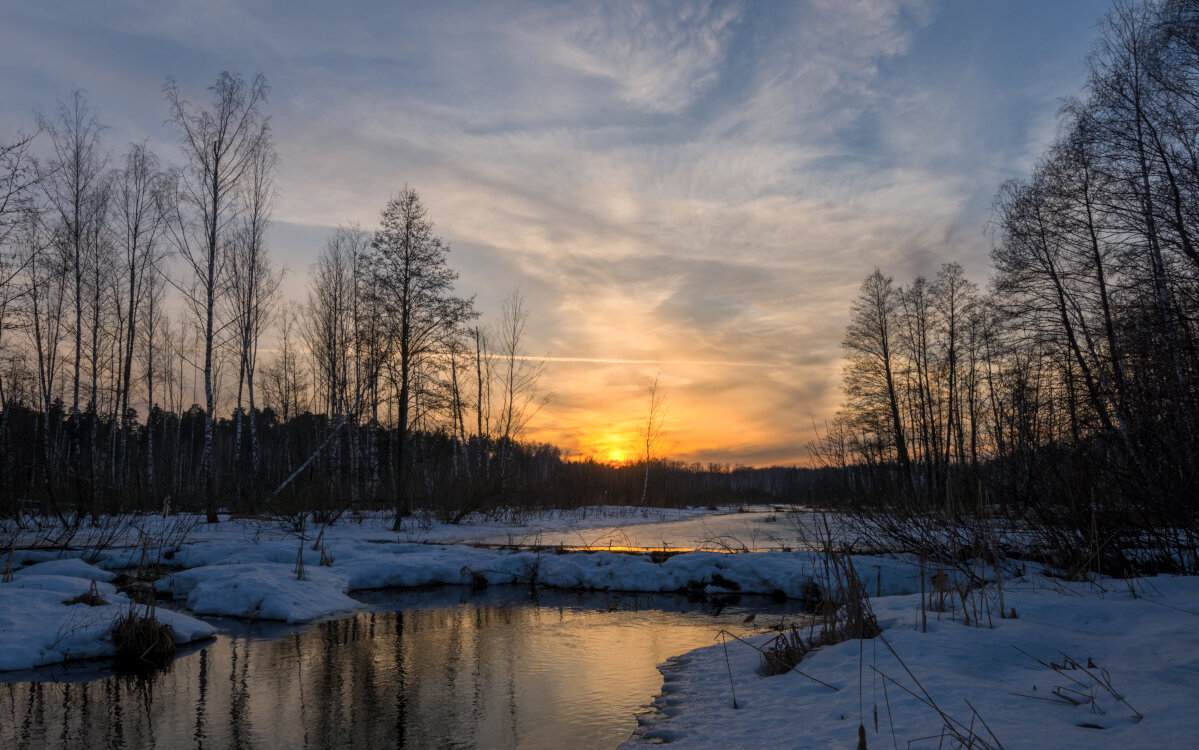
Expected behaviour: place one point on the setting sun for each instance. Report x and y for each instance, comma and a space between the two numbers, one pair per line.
615, 447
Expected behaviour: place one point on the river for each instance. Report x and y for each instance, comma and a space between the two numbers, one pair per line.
441, 668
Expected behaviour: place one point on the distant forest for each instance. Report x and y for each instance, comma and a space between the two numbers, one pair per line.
1067, 393
135, 293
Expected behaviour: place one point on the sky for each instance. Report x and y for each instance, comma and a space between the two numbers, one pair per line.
691, 191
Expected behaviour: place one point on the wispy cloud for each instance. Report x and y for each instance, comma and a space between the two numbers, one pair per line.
659, 58
688, 188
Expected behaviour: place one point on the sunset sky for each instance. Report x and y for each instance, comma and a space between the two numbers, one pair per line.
689, 190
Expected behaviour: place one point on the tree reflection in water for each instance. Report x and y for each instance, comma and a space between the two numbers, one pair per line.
441, 668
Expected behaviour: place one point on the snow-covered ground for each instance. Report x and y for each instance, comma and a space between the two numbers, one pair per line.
1105, 664
1113, 664
245, 570
38, 627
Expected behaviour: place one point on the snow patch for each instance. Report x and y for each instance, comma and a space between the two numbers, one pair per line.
37, 627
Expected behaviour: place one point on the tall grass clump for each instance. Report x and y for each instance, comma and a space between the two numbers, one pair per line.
843, 611
91, 597
141, 639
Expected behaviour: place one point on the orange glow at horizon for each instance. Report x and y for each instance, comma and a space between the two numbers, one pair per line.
605, 446
599, 410
730, 396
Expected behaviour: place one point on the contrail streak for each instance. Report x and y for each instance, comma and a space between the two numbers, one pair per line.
617, 361
586, 360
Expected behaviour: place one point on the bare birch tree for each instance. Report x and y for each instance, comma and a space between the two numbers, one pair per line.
651, 430
137, 224
70, 178
520, 376
253, 287
220, 143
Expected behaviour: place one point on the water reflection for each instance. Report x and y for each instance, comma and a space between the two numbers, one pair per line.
445, 668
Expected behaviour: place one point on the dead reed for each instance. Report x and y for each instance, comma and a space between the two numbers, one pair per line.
844, 614
141, 639
91, 597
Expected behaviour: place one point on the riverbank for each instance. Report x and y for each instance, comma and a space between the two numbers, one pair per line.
1108, 664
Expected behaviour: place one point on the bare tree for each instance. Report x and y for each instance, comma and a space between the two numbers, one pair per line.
285, 388
220, 144
137, 223
330, 320
253, 289
18, 216
331, 328
154, 330
101, 277
18, 179
45, 294
416, 286
520, 376
483, 372
70, 179
870, 374
954, 299
651, 430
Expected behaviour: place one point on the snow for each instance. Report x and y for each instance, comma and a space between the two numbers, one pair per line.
1141, 636
261, 581
588, 526
247, 569
72, 567
723, 530
261, 590
37, 627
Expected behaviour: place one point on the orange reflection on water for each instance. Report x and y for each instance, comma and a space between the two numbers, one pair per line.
635, 549
498, 669
627, 548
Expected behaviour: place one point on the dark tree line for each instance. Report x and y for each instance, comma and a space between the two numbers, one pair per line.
1067, 394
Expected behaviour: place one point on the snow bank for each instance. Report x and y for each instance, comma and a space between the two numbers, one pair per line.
261, 590
258, 579
1141, 639
37, 627
261, 581
246, 568
72, 568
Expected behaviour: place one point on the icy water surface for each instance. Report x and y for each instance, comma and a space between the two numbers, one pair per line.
437, 669
755, 531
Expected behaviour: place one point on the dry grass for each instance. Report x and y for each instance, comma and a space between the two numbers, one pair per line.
844, 614
842, 605
141, 639
91, 597
784, 652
